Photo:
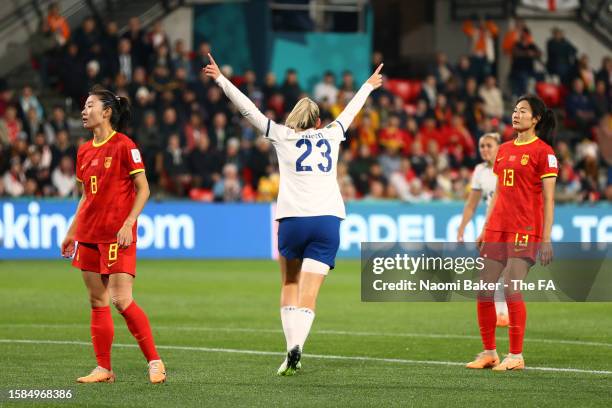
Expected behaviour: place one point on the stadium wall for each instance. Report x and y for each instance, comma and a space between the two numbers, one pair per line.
182, 229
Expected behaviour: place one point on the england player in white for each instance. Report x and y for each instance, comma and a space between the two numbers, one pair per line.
309, 207
483, 186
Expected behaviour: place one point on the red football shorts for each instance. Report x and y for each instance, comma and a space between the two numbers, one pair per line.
105, 258
500, 246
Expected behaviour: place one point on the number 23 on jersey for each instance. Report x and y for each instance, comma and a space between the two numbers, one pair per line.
324, 149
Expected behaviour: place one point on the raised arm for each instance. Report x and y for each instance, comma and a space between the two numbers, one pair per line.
354, 106
246, 107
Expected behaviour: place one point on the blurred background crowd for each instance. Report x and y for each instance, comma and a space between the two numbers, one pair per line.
415, 140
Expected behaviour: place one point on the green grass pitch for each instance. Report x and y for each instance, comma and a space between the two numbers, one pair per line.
218, 328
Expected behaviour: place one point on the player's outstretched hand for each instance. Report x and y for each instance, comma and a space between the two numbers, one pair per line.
68, 247
546, 253
480, 241
376, 79
212, 69
124, 236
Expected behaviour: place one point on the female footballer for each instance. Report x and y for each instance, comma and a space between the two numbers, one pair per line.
483, 186
519, 224
115, 190
310, 206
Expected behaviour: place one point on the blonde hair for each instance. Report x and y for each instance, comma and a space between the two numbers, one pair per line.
304, 115
492, 135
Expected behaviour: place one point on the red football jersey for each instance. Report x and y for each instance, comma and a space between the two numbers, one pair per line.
520, 168
105, 169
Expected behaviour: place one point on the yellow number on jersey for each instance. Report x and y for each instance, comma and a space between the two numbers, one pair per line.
93, 182
508, 177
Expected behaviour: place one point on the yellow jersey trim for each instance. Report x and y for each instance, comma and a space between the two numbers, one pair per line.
136, 171
525, 143
548, 175
93, 142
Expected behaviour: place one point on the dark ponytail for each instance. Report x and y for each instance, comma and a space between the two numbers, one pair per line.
120, 106
547, 121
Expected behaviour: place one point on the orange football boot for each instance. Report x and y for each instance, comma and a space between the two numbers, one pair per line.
510, 363
98, 374
502, 320
484, 360
157, 371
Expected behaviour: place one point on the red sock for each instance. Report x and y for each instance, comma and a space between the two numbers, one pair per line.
138, 324
517, 312
102, 332
487, 320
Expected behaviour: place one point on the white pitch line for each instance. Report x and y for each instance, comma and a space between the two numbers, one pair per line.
319, 356
325, 332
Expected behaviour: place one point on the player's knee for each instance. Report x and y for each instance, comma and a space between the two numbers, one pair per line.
121, 302
98, 299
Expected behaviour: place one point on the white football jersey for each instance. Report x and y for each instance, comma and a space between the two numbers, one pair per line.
307, 159
485, 180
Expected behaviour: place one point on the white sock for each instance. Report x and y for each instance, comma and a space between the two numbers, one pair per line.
501, 308
515, 355
288, 320
491, 352
303, 318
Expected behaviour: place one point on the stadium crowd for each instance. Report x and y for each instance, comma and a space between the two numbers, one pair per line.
195, 144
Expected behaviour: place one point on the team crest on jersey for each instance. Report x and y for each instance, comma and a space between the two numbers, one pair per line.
107, 162
525, 159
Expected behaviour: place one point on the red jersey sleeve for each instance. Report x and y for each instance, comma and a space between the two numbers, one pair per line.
547, 163
500, 155
131, 158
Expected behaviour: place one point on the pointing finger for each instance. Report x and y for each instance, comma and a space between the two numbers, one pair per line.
212, 60
377, 69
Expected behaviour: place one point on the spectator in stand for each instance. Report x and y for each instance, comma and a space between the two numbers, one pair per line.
64, 179
561, 55
584, 72
181, 59
170, 126
260, 163
160, 58
151, 142
512, 36
123, 62
194, 131
232, 153
72, 75
43, 47
10, 128
62, 147
524, 55
157, 36
465, 70
249, 87
228, 188
32, 124
109, 41
93, 75
57, 24
14, 179
579, 108
28, 100
85, 37
394, 137
176, 172
460, 146
601, 100
605, 72
326, 90
442, 70
205, 165
442, 111
290, 89
219, 131
482, 36
270, 88
347, 87
491, 95
429, 91
139, 46
55, 123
